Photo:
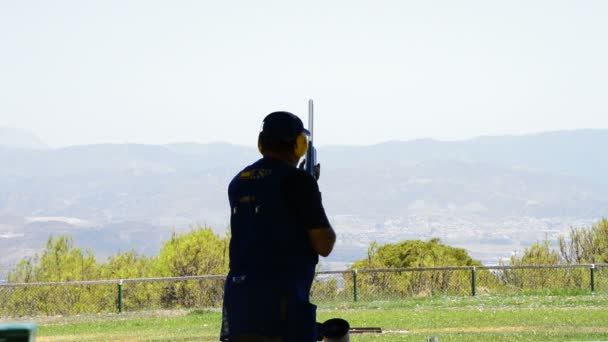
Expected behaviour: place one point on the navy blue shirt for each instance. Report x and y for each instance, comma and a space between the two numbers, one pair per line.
272, 265
273, 206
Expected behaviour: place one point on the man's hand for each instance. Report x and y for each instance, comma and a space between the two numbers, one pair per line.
317, 172
322, 240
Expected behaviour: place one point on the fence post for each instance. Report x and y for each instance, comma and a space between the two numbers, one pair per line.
119, 301
473, 278
592, 274
355, 285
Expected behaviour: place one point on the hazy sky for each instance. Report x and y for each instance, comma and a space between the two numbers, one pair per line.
76, 72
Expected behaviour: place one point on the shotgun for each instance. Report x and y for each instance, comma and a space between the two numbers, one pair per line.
311, 153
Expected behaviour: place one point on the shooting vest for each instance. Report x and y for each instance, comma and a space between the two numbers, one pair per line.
266, 237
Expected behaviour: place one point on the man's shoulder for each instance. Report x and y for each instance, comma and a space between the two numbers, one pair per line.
299, 178
251, 166
265, 167
239, 175
300, 174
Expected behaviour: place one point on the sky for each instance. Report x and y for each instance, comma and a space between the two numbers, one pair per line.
156, 72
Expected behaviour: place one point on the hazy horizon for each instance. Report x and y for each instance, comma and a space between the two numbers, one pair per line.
25, 131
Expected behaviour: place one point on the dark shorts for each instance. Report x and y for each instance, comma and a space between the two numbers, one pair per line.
269, 305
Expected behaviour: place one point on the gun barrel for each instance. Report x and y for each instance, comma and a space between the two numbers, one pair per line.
311, 119
364, 330
311, 154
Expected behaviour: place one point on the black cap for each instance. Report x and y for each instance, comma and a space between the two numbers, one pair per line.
282, 127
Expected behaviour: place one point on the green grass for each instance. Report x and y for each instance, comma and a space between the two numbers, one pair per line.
482, 318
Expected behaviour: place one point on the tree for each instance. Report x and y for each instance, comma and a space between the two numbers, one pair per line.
59, 261
130, 264
126, 265
586, 245
198, 252
413, 254
539, 254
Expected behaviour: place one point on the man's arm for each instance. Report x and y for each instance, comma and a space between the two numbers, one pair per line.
322, 240
304, 201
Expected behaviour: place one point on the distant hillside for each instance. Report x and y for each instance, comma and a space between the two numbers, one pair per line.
577, 153
504, 190
15, 138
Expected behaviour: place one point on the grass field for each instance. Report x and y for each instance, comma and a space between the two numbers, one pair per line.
482, 318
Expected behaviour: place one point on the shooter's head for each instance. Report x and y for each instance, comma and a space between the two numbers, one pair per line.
283, 136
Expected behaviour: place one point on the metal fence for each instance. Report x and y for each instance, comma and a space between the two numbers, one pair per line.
105, 296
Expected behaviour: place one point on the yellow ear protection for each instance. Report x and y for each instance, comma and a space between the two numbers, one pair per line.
300, 145
260, 146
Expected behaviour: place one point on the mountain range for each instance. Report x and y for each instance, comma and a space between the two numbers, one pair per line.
491, 195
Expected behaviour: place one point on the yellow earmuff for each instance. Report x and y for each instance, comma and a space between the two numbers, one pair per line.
260, 146
299, 149
301, 145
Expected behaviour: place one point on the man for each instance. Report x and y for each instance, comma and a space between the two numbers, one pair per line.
278, 230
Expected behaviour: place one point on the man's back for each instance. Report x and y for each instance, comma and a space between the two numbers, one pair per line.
268, 228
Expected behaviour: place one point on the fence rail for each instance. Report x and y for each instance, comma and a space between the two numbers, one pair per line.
118, 295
